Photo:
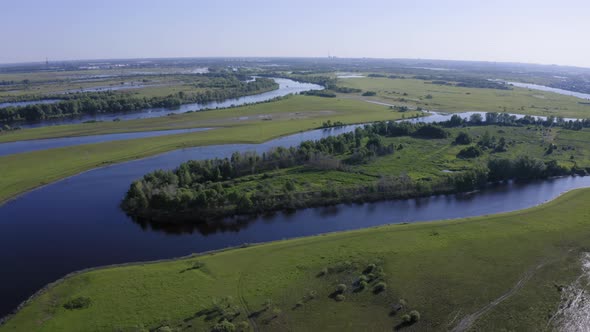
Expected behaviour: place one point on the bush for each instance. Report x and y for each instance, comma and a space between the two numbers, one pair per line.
363, 284
243, 326
414, 316
470, 152
369, 268
339, 298
379, 287
223, 326
369, 93
78, 303
463, 138
341, 288
406, 319
323, 272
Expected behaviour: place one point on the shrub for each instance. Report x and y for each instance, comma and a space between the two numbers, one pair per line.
341, 288
463, 138
363, 284
379, 287
470, 152
369, 93
78, 303
223, 326
164, 329
339, 298
369, 268
406, 318
323, 272
414, 316
243, 326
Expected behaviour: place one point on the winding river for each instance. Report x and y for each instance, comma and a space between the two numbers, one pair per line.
52, 143
76, 223
286, 86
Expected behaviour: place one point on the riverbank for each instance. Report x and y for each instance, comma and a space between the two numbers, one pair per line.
437, 268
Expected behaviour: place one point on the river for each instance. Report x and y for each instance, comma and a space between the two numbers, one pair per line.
286, 87
549, 89
76, 223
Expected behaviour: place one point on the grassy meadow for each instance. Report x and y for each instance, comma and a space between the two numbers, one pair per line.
412, 92
445, 270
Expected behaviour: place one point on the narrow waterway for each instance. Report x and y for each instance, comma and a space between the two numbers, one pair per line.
52, 143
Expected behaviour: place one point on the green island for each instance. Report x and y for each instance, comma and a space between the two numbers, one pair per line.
385, 160
415, 277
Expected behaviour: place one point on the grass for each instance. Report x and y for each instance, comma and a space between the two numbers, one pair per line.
445, 270
22, 172
457, 99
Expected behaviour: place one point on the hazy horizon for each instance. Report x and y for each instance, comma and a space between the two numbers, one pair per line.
526, 31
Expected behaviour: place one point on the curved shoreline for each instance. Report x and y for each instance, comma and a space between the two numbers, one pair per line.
47, 287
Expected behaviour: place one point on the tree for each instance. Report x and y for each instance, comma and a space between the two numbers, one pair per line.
476, 118
463, 138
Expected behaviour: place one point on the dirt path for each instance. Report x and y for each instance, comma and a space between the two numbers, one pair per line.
468, 320
244, 305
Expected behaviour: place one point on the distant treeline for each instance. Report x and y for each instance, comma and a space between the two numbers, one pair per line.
463, 81
113, 102
505, 119
204, 188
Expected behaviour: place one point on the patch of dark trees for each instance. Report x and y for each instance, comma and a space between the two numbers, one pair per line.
113, 102
463, 81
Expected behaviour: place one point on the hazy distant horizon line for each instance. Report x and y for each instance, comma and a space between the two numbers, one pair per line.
282, 57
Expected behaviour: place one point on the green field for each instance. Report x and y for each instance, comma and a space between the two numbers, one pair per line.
458, 99
246, 124
446, 270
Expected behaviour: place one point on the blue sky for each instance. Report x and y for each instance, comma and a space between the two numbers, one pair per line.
551, 32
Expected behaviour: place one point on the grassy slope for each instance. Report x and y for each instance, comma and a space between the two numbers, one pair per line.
444, 269
455, 99
26, 171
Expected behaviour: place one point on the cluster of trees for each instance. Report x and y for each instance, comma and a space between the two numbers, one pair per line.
463, 81
319, 93
506, 119
113, 102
